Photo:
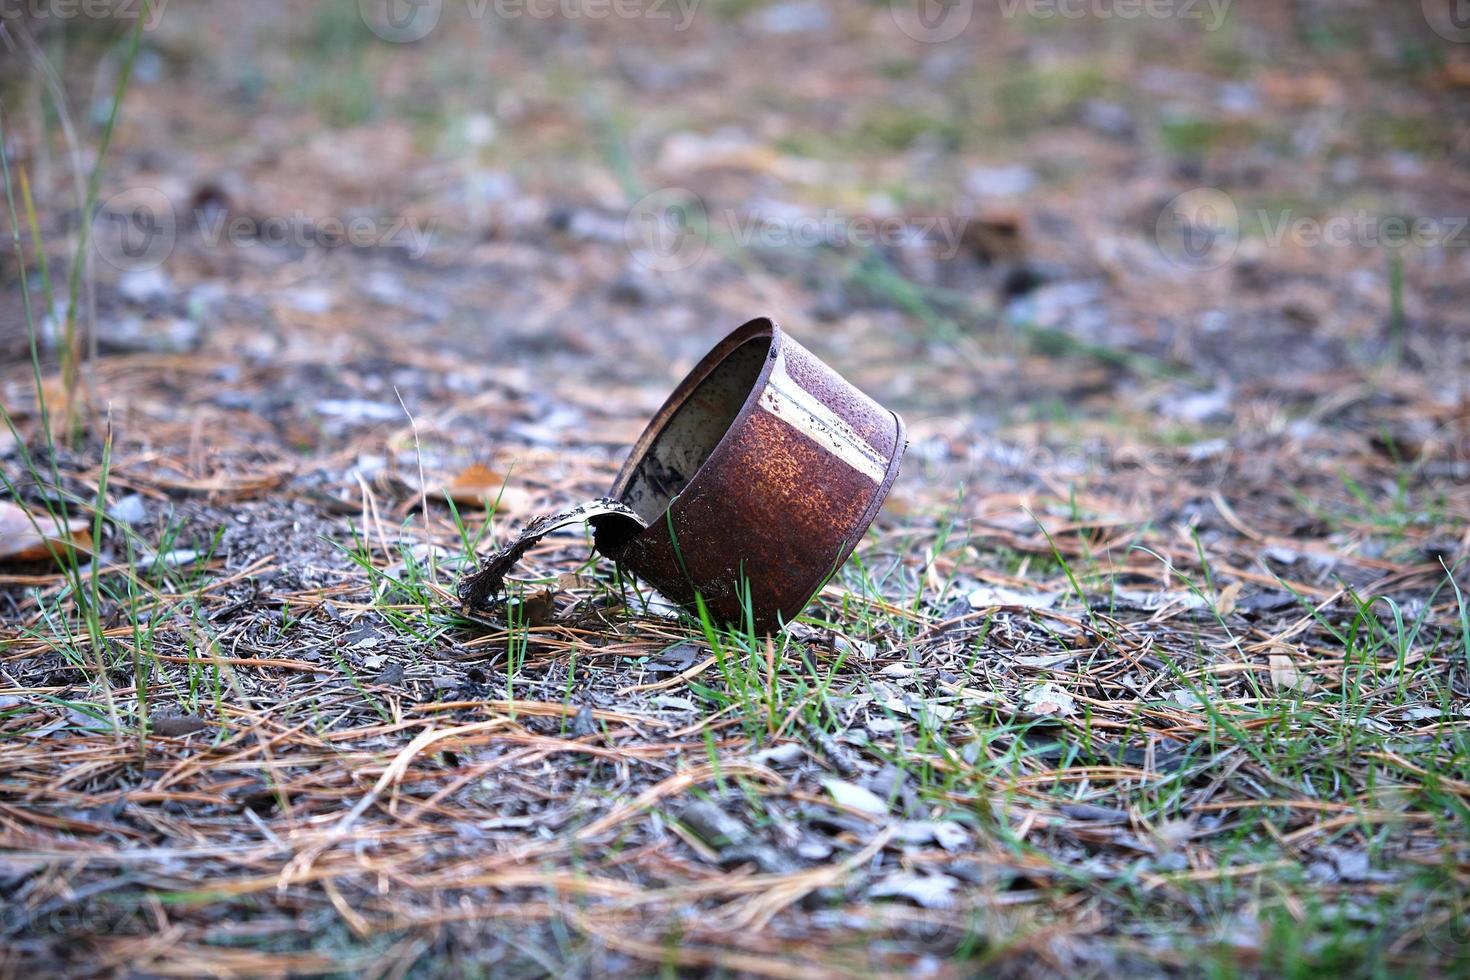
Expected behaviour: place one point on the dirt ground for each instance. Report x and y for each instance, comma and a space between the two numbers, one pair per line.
1155, 663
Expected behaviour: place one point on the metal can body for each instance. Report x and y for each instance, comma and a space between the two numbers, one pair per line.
757, 478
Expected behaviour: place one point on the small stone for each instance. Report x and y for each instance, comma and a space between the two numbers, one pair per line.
584, 723
1005, 181
712, 825
795, 17
389, 676
855, 797
780, 755
926, 891
767, 859
175, 726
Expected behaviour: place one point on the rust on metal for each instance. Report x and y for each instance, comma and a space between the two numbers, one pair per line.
749, 488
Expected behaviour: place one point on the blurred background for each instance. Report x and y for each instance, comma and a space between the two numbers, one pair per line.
1043, 229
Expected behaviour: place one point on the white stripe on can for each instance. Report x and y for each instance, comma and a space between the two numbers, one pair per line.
792, 404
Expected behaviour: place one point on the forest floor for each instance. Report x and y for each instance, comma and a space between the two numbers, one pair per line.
1157, 661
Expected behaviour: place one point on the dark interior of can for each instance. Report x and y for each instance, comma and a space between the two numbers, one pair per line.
694, 429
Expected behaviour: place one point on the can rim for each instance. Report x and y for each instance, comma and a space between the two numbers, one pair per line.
764, 326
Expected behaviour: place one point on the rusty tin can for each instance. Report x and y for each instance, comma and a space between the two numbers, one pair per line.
756, 479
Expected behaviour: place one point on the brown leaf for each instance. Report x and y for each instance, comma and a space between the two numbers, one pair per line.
1286, 677
474, 485
1048, 699
1229, 596
478, 486
538, 609
175, 726
30, 536
22, 404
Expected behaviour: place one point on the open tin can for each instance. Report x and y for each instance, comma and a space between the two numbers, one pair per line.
747, 491
755, 480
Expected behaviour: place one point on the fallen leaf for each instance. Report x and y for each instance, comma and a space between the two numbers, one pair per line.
1046, 660
712, 825
854, 797
1048, 699
59, 409
1094, 813
947, 834
477, 485
538, 609
1151, 601
173, 559
988, 596
1183, 697
1286, 677
925, 891
1225, 603
30, 536
1170, 835
389, 676
788, 754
